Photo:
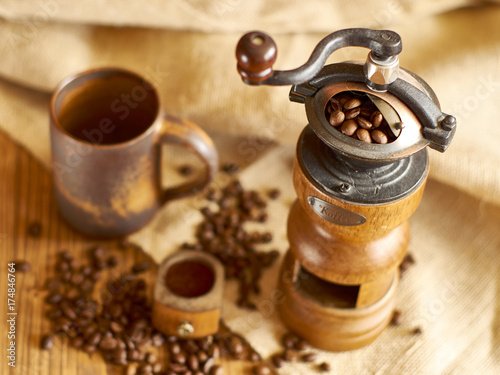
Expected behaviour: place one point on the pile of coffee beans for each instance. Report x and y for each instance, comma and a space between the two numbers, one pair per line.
120, 328
295, 350
355, 115
222, 234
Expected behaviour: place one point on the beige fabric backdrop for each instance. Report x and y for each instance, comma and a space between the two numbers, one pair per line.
186, 48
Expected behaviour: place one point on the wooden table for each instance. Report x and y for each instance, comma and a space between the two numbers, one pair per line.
26, 196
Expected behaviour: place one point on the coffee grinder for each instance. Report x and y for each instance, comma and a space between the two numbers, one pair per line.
348, 229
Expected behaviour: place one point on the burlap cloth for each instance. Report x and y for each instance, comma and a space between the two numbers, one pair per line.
186, 47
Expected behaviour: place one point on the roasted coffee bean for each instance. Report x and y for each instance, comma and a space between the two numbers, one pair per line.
202, 356
177, 367
335, 105
72, 293
94, 339
141, 267
108, 343
261, 369
364, 123
397, 318
77, 278
54, 298
231, 168
68, 310
352, 113
47, 342
209, 363
178, 358
274, 193
364, 135
192, 362
214, 352
34, 229
217, 370
416, 331
337, 118
324, 367
157, 368
96, 252
175, 348
290, 355
53, 284
145, 369
21, 266
352, 103
186, 170
150, 358
119, 354
254, 357
65, 255
277, 360
379, 136
87, 348
301, 345
308, 357
133, 355
349, 127
288, 340
376, 119
235, 346
77, 342
131, 369
111, 261
407, 262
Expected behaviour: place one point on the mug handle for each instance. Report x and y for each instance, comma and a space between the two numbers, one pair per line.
186, 134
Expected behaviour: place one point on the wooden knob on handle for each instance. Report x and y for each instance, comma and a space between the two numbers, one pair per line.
256, 53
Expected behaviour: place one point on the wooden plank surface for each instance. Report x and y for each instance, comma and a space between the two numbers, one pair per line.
26, 196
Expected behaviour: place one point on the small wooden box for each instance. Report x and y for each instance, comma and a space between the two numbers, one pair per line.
188, 295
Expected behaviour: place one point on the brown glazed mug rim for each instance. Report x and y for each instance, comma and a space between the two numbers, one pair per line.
90, 72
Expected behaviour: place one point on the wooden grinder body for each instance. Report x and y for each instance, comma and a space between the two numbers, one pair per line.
340, 280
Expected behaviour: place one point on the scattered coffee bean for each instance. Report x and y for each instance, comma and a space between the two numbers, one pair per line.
21, 266
47, 342
288, 340
277, 360
407, 262
416, 331
308, 357
290, 355
324, 367
186, 170
301, 345
261, 369
231, 168
34, 229
274, 194
397, 318
54, 298
141, 267
217, 370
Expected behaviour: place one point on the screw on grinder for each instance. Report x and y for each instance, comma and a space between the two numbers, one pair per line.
359, 173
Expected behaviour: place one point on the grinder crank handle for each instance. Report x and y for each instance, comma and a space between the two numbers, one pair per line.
256, 53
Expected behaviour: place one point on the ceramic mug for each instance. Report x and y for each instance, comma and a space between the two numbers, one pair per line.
107, 127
